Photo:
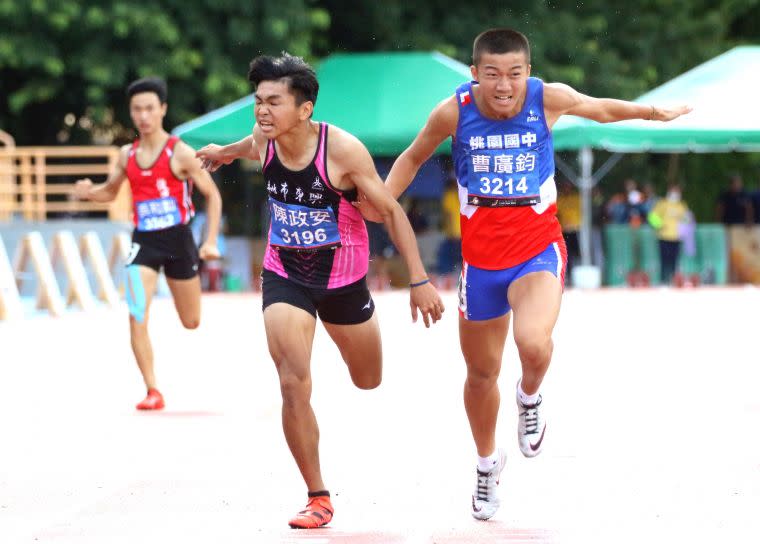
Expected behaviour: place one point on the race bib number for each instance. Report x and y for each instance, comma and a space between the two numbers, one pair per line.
158, 214
500, 178
301, 227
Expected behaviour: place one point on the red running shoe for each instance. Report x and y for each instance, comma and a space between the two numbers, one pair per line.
318, 512
152, 401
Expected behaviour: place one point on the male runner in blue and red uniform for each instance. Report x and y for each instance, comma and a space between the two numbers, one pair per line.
316, 259
159, 168
513, 253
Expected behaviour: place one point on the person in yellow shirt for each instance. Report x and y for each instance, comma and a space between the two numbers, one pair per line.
569, 216
450, 250
669, 217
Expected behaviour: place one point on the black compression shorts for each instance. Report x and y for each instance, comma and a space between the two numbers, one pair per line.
172, 248
348, 305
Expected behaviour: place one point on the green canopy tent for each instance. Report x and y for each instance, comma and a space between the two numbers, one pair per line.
725, 118
381, 98
722, 92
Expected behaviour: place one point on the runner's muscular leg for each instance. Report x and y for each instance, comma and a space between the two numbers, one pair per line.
535, 299
290, 335
361, 349
187, 300
141, 284
482, 345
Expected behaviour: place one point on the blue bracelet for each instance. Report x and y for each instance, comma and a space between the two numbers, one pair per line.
423, 282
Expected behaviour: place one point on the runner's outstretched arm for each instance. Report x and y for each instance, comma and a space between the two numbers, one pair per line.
361, 170
213, 156
560, 99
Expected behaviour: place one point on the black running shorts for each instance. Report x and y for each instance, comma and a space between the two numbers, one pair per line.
172, 248
346, 305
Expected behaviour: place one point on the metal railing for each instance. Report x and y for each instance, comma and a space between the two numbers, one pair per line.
38, 181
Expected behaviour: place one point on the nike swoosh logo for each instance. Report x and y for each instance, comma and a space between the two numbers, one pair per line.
537, 445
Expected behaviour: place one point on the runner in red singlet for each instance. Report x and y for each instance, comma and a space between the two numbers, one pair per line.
161, 170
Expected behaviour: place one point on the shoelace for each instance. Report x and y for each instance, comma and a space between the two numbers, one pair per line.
316, 508
482, 493
531, 419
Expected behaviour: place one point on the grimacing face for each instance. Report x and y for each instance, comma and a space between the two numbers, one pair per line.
276, 110
147, 112
503, 82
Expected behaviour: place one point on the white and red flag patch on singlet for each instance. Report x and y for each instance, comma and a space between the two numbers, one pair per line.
465, 98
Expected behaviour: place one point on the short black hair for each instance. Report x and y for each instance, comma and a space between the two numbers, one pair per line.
148, 85
498, 41
301, 78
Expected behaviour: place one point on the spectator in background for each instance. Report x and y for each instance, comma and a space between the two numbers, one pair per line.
650, 199
450, 251
381, 251
625, 207
670, 217
634, 202
615, 211
384, 271
598, 217
416, 217
569, 215
735, 205
755, 201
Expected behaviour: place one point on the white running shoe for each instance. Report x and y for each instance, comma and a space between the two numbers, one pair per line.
530, 428
485, 501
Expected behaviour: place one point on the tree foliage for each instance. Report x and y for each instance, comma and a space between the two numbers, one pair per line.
64, 64
602, 48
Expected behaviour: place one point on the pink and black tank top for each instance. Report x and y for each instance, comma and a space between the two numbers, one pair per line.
316, 237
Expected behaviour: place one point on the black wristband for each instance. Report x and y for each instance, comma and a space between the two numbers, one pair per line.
423, 282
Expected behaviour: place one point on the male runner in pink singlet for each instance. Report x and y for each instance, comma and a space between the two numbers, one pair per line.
317, 254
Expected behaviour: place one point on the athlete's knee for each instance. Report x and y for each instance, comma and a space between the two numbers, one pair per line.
482, 378
535, 348
366, 369
137, 312
294, 388
138, 331
138, 320
137, 324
